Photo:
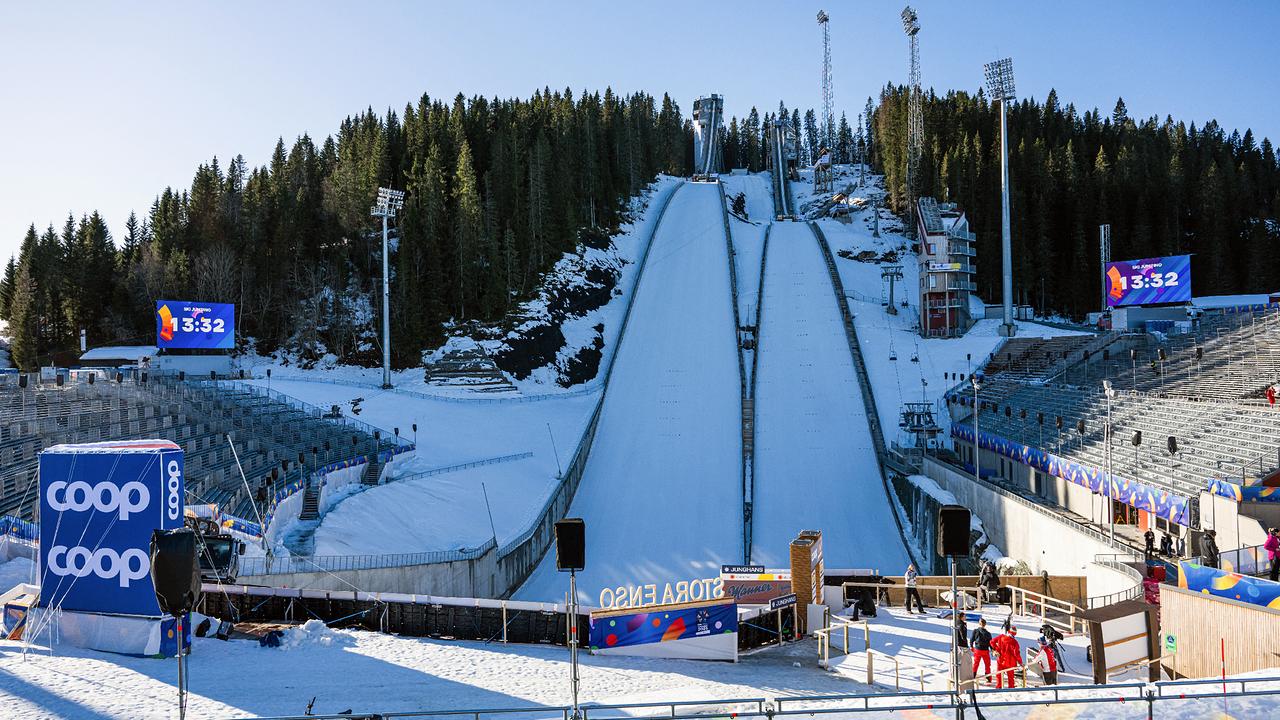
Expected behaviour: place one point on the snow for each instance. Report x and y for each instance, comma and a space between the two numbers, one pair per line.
15, 572
1224, 301
367, 672
662, 488
815, 460
758, 189
314, 633
883, 336
444, 511
447, 511
119, 352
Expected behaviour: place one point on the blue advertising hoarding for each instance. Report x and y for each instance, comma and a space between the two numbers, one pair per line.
185, 324
1149, 281
99, 504
704, 630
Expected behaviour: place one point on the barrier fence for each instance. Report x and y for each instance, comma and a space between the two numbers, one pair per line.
251, 566
1168, 699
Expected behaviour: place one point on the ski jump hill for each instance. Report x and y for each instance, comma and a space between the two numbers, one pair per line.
667, 479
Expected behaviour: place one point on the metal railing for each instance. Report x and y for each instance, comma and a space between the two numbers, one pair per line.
1119, 562
257, 566
1174, 695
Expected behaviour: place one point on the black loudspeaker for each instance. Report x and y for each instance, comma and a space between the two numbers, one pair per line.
144, 378
213, 374
953, 531
241, 373
571, 544
119, 378
1162, 355
1106, 355
59, 380
1040, 418
1080, 426
1199, 353
1137, 438
182, 375
22, 380
1173, 445
1058, 422
174, 570
1133, 353
91, 378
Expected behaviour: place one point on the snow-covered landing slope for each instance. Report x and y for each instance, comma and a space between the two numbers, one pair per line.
662, 489
815, 462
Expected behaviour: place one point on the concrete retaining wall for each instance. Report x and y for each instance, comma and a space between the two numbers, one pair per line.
1037, 535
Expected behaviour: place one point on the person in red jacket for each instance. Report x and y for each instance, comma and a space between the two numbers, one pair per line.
1008, 653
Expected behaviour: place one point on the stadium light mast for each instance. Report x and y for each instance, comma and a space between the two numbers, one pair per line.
385, 207
915, 117
999, 77
828, 103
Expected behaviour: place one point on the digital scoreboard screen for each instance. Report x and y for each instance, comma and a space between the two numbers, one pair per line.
1148, 282
184, 324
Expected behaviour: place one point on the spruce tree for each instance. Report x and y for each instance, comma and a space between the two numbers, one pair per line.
24, 322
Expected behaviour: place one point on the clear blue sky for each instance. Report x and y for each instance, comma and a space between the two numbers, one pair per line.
104, 104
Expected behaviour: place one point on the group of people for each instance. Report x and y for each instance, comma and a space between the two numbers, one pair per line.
1168, 546
1008, 653
1211, 556
988, 583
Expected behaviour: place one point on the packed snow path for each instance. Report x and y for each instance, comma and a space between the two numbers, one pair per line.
815, 466
662, 489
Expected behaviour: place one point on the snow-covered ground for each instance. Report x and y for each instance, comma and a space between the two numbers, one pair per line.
662, 489
369, 672
815, 461
447, 511
15, 572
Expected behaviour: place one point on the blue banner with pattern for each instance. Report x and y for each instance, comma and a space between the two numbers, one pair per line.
1161, 503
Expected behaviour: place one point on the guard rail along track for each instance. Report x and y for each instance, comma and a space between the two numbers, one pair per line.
745, 405
864, 383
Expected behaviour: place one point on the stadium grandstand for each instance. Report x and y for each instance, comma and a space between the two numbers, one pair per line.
1192, 416
279, 439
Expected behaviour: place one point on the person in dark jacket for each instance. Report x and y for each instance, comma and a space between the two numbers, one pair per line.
1150, 538
1166, 545
989, 580
962, 633
1209, 549
980, 641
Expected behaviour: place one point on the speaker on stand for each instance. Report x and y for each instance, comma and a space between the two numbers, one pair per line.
953, 542
175, 572
571, 556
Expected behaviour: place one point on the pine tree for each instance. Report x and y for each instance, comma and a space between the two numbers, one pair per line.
468, 228
23, 321
6, 287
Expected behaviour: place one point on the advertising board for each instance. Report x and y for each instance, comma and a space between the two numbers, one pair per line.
185, 324
99, 504
1148, 281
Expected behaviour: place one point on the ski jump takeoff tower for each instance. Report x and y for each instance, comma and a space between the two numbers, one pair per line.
915, 120
708, 120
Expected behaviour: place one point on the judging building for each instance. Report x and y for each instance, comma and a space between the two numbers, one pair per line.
946, 269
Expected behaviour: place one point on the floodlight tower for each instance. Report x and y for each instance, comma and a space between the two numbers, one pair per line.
385, 207
999, 76
828, 103
915, 117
